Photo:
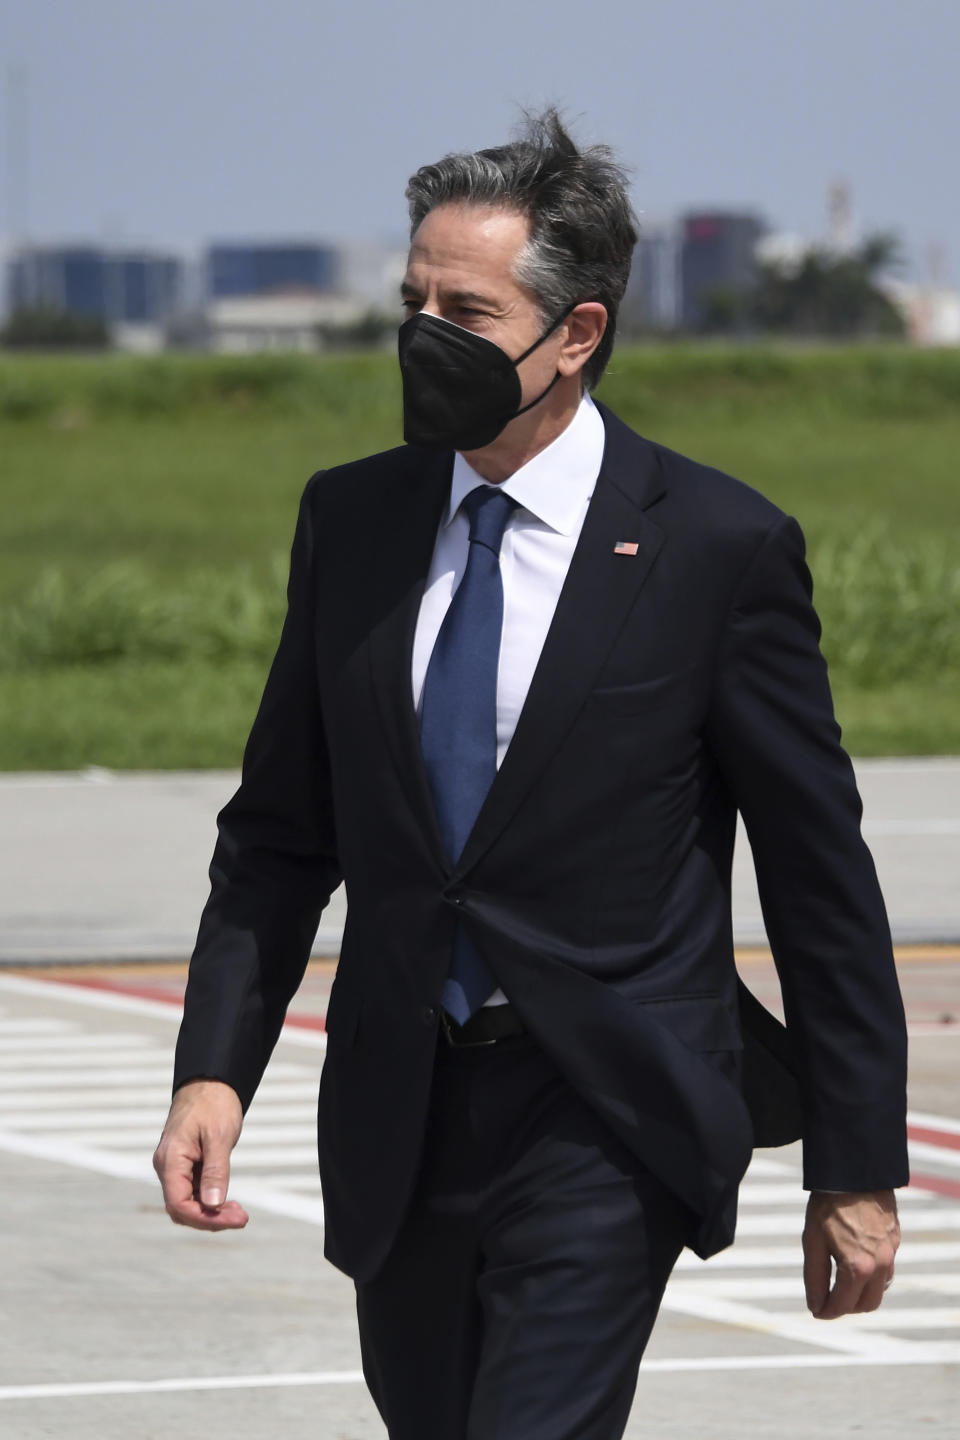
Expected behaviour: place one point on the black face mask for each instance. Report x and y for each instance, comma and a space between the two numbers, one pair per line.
459, 390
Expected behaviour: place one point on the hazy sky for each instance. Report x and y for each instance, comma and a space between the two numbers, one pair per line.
176, 122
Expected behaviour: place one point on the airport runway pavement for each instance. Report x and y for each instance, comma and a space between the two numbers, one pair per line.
116, 1323
104, 865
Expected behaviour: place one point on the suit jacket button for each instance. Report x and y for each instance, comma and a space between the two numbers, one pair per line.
429, 1014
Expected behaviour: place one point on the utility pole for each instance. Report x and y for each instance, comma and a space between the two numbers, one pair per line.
840, 217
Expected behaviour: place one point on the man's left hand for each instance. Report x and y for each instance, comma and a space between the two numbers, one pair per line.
861, 1233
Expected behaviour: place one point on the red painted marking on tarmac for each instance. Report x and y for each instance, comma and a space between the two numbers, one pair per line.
170, 997
138, 992
945, 1139
306, 1022
939, 1184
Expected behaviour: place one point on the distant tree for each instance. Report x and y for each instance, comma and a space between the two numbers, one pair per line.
38, 328
831, 294
725, 311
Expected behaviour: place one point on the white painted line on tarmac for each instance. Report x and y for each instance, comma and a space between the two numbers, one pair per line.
277, 1199
933, 1354
922, 1150
928, 1284
147, 1051
49, 990
133, 1166
775, 1192
142, 1094
778, 1257
890, 1318
260, 1142
760, 1166
308, 1039
132, 1005
941, 825
41, 1030
119, 1166
257, 1157
265, 1133
142, 1138
934, 1122
161, 1387
265, 1111
942, 1217
785, 1325
266, 1125
121, 1075
787, 1287
789, 1193
69, 1100
77, 1080
51, 1046
85, 1120
947, 1353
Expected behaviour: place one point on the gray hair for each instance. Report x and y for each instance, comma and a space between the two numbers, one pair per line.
582, 228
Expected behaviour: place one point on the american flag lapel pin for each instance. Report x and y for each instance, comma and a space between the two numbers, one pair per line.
626, 547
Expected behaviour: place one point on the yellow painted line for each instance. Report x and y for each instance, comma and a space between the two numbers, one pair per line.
904, 954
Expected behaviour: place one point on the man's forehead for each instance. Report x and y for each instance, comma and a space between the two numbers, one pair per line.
467, 247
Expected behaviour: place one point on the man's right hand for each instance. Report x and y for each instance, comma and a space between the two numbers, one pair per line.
193, 1157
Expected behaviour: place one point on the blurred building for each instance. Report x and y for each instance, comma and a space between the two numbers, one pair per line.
652, 299
931, 312
283, 320
717, 262
784, 252
136, 288
372, 272
238, 268
278, 295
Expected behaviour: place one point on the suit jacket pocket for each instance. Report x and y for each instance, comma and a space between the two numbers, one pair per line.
701, 1022
639, 697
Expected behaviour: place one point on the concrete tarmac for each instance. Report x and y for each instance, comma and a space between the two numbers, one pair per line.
106, 865
114, 1323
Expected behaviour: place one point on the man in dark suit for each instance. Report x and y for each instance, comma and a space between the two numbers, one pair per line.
531, 668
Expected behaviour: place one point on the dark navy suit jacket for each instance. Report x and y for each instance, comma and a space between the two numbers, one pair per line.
676, 686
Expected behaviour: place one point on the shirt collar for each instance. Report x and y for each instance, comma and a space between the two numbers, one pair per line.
556, 484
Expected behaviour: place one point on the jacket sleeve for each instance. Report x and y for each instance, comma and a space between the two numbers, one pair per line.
275, 863
775, 738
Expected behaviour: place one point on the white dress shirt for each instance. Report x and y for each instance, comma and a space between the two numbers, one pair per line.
552, 492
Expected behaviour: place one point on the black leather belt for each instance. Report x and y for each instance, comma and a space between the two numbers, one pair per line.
485, 1027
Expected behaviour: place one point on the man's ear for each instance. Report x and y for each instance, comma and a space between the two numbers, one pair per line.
583, 332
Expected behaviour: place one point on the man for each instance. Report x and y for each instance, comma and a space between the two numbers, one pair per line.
532, 666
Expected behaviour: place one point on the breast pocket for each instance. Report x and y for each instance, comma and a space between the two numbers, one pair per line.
642, 697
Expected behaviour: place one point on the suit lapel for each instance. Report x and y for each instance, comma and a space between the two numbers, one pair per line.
599, 592
402, 568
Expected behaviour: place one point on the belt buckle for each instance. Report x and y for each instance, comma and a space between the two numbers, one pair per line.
455, 1043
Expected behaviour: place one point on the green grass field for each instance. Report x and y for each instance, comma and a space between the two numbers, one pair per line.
148, 506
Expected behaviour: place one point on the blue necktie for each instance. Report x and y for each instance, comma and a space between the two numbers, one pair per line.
458, 724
